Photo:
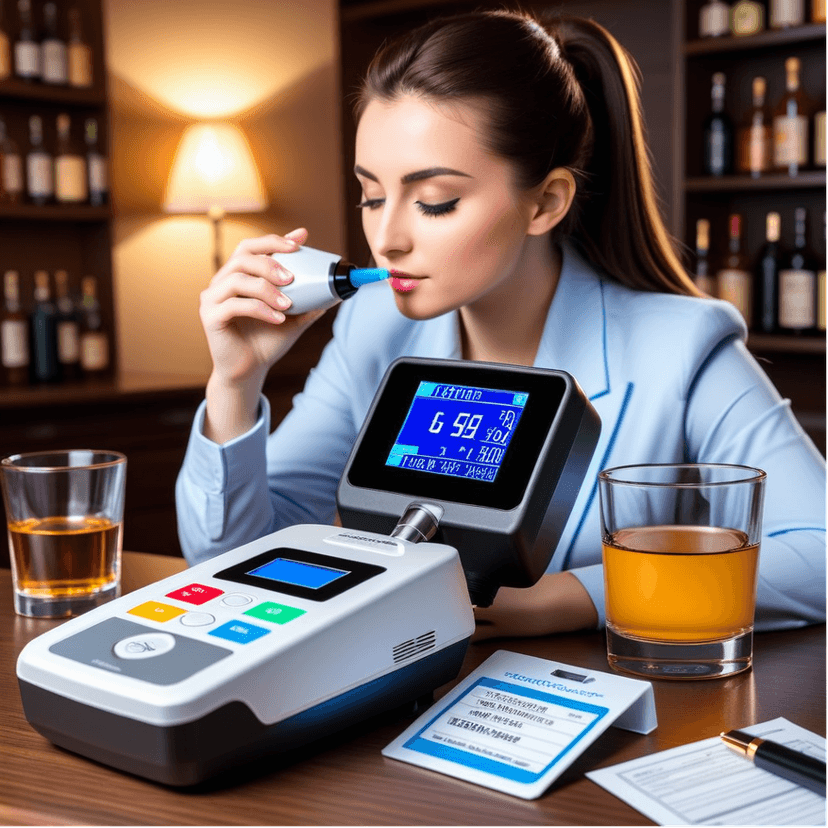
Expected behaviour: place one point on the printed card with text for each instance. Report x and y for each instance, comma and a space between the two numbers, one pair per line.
517, 722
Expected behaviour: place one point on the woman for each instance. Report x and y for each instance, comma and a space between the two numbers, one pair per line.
506, 176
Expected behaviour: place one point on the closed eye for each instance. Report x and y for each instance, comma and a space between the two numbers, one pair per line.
370, 203
437, 209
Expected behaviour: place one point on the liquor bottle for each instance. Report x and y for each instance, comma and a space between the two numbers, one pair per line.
26, 47
747, 17
11, 168
39, 179
821, 282
754, 139
818, 11
703, 278
70, 166
53, 56
767, 276
790, 124
14, 333
5, 45
785, 13
68, 333
45, 365
797, 282
94, 342
95, 166
718, 132
714, 19
80, 55
734, 280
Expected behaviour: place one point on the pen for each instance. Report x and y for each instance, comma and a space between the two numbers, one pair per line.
780, 760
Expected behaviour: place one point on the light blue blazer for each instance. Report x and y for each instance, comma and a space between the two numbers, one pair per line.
669, 376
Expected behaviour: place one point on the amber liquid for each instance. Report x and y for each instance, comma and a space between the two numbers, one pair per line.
680, 583
62, 557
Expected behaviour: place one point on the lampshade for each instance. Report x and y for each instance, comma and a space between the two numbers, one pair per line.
213, 171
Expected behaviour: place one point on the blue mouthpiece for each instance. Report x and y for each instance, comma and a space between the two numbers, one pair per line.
360, 276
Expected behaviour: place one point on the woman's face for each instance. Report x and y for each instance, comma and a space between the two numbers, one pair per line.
436, 205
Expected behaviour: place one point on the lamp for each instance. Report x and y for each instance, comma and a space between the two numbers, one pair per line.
214, 173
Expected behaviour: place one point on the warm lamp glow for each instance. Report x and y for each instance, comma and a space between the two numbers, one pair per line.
214, 171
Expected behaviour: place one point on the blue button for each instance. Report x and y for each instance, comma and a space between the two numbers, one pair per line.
239, 631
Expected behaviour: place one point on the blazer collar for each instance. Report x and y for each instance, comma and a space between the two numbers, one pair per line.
575, 335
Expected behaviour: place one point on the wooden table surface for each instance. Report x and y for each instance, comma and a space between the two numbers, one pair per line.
346, 781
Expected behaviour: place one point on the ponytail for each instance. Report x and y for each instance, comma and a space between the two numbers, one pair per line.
562, 96
619, 227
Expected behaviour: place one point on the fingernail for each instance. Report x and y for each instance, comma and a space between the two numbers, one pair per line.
278, 316
283, 302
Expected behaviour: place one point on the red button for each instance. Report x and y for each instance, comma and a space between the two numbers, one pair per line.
196, 594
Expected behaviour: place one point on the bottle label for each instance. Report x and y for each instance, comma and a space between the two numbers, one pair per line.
94, 351
790, 140
821, 300
714, 20
12, 173
734, 287
39, 173
54, 62
819, 139
70, 171
754, 149
80, 65
787, 13
748, 19
68, 343
5, 57
797, 299
14, 343
27, 59
97, 173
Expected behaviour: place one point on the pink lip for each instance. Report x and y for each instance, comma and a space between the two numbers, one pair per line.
402, 282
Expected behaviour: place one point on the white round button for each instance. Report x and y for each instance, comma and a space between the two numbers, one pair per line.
144, 645
197, 619
236, 599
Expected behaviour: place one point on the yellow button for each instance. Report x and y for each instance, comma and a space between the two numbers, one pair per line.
156, 612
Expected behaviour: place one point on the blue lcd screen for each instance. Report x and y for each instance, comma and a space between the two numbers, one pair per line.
297, 573
457, 430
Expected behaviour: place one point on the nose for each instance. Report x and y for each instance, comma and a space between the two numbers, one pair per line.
388, 234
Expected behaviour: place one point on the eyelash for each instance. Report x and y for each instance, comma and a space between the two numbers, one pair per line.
426, 209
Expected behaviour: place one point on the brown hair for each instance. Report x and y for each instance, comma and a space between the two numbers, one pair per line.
562, 95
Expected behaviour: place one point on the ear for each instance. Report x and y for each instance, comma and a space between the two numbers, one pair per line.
553, 199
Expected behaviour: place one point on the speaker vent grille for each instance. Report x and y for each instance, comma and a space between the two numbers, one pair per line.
414, 646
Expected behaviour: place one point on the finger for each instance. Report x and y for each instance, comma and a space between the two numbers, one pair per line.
270, 243
238, 307
245, 286
254, 265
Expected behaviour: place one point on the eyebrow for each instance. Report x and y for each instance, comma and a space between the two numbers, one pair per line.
419, 175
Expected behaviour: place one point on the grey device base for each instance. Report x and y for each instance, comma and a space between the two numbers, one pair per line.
190, 753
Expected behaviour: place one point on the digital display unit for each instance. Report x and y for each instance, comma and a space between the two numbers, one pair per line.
301, 573
468, 433
457, 430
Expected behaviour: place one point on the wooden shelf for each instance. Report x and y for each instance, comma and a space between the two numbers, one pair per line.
54, 212
69, 95
744, 183
767, 343
764, 40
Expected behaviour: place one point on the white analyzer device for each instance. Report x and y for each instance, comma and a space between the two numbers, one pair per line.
459, 481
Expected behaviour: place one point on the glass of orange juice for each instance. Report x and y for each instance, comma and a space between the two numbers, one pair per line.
64, 515
681, 553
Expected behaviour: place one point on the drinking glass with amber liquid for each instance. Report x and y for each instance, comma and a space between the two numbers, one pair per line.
64, 515
681, 554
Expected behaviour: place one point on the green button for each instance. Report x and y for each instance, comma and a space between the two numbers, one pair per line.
275, 613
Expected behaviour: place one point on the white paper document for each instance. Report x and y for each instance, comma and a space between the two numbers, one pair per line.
517, 722
706, 783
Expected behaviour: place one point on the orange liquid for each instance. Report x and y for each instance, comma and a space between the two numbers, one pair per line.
58, 557
680, 583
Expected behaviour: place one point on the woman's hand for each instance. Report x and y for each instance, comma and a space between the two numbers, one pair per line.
556, 603
243, 315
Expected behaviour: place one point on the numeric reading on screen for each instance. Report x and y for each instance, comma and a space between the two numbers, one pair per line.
457, 430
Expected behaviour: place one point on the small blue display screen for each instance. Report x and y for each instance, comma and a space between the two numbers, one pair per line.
457, 430
298, 573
